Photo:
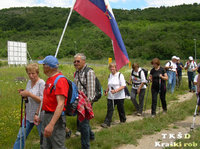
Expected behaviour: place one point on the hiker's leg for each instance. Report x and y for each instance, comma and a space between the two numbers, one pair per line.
141, 100
162, 98
110, 110
173, 81
154, 101
29, 127
85, 134
169, 80
121, 111
133, 99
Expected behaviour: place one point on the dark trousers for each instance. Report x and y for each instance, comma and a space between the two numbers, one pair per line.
86, 133
138, 106
154, 93
191, 80
110, 110
178, 80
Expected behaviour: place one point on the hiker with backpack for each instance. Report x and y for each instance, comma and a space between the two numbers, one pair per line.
191, 67
116, 95
180, 67
158, 77
138, 81
33, 94
171, 73
84, 78
54, 121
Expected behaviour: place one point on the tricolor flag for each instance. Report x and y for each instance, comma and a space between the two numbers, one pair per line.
100, 13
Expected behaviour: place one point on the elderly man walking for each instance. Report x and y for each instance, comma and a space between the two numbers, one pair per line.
85, 80
54, 122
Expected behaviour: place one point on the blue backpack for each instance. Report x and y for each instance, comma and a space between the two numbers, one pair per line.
72, 100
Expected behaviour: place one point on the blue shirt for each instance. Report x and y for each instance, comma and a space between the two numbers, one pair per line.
179, 69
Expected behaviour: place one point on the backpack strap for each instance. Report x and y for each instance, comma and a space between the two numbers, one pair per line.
55, 82
86, 69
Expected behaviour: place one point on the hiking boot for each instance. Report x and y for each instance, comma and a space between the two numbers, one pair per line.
164, 111
104, 125
68, 134
78, 133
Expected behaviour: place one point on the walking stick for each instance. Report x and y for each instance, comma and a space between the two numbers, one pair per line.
148, 84
160, 94
194, 116
21, 123
26, 101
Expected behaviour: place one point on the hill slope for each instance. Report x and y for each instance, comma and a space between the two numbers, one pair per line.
153, 32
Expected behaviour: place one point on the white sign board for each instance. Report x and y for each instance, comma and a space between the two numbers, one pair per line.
17, 53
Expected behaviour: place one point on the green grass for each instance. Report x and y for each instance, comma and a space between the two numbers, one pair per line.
107, 138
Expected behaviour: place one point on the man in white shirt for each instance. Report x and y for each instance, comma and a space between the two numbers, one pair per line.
191, 67
171, 73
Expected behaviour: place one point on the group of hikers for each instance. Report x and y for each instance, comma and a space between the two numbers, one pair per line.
46, 101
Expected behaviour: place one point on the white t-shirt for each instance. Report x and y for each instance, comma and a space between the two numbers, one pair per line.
195, 80
170, 63
116, 82
192, 65
137, 80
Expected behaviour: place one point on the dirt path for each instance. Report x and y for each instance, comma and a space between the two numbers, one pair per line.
165, 137
147, 113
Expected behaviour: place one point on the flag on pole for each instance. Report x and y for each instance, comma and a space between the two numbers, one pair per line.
100, 14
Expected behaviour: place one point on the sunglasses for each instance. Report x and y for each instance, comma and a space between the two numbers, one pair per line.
76, 61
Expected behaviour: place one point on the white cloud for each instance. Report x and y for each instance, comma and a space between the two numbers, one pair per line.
158, 3
31, 3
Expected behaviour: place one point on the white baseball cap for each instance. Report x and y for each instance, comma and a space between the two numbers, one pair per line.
190, 58
174, 57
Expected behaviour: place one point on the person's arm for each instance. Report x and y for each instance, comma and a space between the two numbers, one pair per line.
186, 65
26, 93
49, 128
90, 85
130, 80
164, 77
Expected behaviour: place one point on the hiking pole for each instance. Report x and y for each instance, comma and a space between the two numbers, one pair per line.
148, 85
25, 102
160, 94
113, 104
21, 123
194, 116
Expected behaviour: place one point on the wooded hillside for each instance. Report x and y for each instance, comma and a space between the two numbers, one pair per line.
153, 32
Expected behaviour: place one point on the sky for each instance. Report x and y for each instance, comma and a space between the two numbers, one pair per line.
120, 4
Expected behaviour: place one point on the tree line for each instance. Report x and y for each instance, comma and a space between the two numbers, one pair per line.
148, 33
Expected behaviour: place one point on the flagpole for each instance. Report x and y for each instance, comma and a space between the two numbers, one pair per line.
61, 38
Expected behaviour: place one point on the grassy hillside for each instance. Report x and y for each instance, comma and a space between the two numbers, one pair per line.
153, 32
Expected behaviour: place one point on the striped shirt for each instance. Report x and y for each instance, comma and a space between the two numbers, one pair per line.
88, 82
32, 105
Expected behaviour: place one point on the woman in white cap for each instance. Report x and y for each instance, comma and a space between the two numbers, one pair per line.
191, 67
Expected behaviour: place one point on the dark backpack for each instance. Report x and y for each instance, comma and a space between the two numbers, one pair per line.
72, 100
98, 87
142, 69
169, 65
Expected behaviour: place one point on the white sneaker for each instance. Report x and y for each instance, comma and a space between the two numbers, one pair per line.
77, 133
128, 97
